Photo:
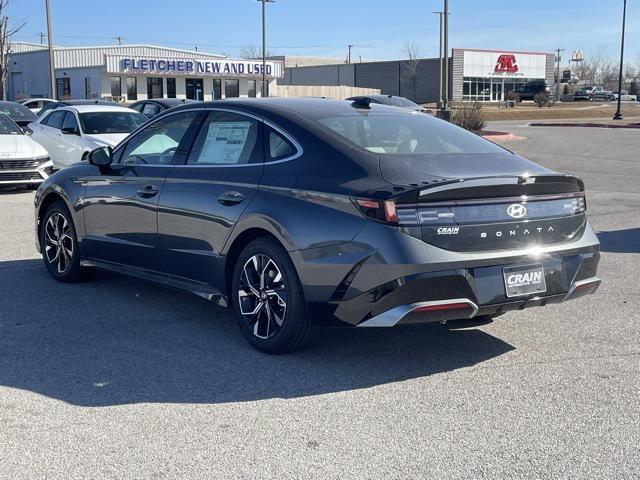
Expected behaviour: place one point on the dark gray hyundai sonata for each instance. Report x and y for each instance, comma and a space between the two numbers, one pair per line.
305, 212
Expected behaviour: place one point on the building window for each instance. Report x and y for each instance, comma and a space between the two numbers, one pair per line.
88, 94
231, 88
171, 88
490, 89
154, 87
132, 88
217, 89
116, 86
252, 89
194, 88
63, 88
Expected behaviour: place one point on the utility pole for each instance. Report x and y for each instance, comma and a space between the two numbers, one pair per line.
558, 59
264, 47
119, 39
445, 97
440, 83
618, 114
42, 35
349, 56
52, 68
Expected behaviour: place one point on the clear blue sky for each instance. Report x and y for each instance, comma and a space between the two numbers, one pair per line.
378, 29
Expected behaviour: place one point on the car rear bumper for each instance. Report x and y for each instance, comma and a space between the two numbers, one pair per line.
414, 282
463, 308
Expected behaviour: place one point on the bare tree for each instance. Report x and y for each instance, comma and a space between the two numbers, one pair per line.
409, 68
7, 31
253, 51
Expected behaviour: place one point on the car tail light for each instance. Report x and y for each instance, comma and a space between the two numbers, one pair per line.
381, 210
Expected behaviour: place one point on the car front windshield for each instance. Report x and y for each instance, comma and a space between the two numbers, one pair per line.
96, 123
406, 134
398, 102
7, 127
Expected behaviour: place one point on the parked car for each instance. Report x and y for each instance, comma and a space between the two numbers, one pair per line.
152, 107
390, 100
602, 95
35, 104
529, 90
70, 133
73, 103
22, 161
298, 212
20, 114
625, 96
586, 93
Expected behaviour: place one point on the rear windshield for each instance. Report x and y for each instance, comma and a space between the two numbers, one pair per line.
410, 134
17, 111
398, 102
7, 127
94, 123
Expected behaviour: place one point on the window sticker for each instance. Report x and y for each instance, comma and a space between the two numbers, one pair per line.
225, 142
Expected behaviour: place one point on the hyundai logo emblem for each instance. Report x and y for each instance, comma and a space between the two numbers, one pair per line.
517, 210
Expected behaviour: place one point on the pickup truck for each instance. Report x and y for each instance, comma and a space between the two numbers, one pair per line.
625, 97
605, 95
586, 93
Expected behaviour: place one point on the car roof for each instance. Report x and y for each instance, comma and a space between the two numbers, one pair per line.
166, 102
296, 107
85, 102
96, 108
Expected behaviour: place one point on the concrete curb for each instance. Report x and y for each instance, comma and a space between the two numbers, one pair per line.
585, 124
498, 136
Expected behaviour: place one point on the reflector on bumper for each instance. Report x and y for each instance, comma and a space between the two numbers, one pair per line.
424, 312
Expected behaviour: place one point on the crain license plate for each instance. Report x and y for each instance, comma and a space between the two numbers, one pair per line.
524, 280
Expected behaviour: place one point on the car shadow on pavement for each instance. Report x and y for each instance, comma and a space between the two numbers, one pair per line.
116, 340
620, 241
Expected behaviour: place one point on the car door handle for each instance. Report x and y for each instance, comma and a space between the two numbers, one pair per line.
230, 198
148, 191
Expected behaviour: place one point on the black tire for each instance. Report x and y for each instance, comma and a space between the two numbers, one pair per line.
63, 264
280, 285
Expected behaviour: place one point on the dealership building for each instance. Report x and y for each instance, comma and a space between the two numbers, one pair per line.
481, 75
134, 72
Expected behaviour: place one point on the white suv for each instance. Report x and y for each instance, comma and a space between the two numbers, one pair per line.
70, 133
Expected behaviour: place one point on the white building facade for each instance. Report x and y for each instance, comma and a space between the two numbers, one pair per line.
488, 75
128, 73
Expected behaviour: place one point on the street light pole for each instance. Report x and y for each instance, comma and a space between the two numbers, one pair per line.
445, 100
349, 56
52, 71
264, 46
558, 58
441, 61
618, 115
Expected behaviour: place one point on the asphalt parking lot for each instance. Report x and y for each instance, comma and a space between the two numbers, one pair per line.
117, 378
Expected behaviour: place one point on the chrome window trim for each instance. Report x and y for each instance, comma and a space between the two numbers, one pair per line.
280, 130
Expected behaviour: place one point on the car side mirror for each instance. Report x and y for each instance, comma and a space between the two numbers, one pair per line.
70, 131
101, 157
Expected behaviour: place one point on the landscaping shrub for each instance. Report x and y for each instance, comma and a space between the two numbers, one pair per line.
468, 115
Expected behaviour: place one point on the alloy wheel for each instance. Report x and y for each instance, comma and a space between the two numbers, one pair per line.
262, 296
58, 242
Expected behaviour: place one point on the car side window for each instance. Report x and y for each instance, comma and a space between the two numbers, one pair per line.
150, 110
70, 122
138, 108
226, 139
157, 143
279, 146
55, 119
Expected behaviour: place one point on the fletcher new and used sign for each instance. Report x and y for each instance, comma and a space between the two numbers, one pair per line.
189, 66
